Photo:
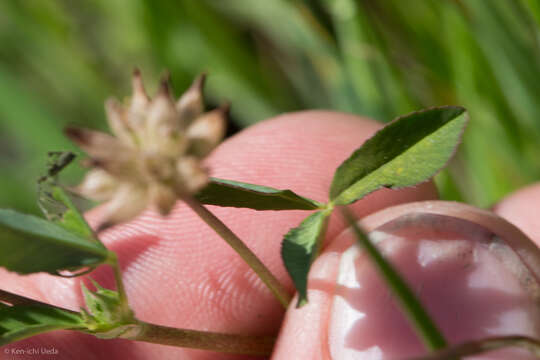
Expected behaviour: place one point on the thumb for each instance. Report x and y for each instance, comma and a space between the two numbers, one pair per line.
461, 281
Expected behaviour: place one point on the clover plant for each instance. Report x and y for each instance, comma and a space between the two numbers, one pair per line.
154, 157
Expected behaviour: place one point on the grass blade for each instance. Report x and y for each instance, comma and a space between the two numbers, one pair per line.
411, 306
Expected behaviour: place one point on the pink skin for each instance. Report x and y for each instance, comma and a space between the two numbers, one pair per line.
454, 265
521, 209
178, 273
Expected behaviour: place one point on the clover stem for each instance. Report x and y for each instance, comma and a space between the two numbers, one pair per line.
240, 247
119, 282
205, 340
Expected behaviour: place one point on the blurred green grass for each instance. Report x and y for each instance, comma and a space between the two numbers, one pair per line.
60, 60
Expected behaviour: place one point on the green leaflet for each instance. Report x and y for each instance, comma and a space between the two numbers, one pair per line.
102, 303
72, 219
243, 195
57, 206
108, 316
23, 321
300, 247
55, 203
105, 305
30, 244
406, 152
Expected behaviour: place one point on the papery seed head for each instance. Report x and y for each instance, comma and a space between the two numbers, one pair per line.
156, 152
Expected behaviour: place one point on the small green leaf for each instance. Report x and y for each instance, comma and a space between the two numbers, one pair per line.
406, 152
108, 315
23, 321
300, 247
72, 219
30, 244
105, 305
243, 195
410, 305
56, 204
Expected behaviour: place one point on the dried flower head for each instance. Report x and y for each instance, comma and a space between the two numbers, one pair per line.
155, 154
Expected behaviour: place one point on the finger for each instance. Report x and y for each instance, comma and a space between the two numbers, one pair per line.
179, 273
521, 208
461, 273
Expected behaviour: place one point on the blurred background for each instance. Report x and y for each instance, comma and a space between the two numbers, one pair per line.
59, 61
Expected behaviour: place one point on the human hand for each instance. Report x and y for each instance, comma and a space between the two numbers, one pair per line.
178, 273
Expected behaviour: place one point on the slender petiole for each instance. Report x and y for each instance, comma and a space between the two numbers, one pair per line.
240, 247
113, 261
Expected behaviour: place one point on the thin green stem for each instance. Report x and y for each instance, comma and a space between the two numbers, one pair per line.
226, 343
120, 283
240, 247
411, 306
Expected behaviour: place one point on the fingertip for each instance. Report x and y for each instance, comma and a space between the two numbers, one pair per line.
466, 286
303, 333
521, 208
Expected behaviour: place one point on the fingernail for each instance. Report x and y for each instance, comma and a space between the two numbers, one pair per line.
461, 273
